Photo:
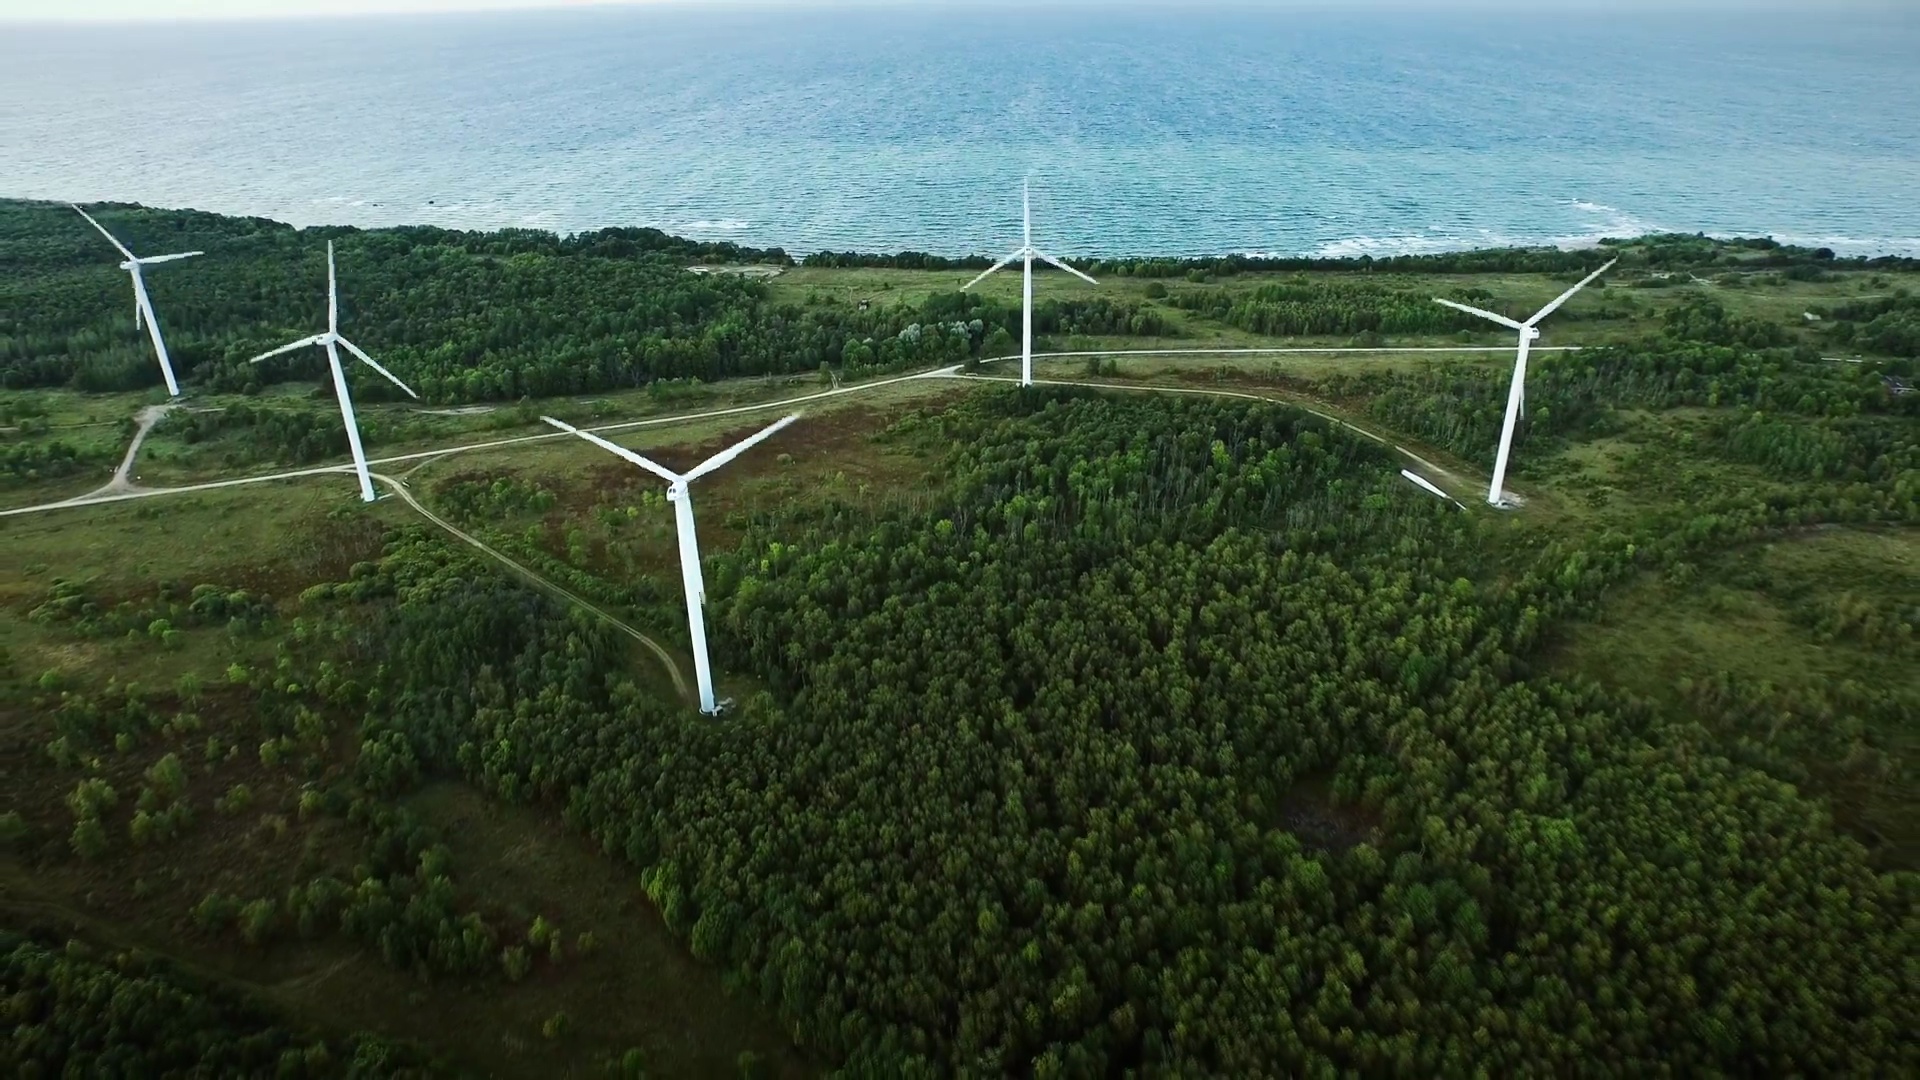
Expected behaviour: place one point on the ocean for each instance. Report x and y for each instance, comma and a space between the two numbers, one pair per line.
1153, 130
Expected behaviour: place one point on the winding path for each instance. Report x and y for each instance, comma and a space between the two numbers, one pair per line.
122, 481
106, 496
122, 488
680, 685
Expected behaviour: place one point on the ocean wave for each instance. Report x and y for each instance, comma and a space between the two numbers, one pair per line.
1615, 224
721, 225
1865, 246
1353, 247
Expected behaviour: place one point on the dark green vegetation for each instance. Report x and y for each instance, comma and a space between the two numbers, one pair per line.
1661, 253
463, 316
1081, 733
76, 1014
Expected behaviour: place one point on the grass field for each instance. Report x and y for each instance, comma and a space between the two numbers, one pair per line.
1746, 615
1755, 294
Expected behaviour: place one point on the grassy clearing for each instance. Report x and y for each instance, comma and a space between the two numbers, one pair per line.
271, 539
895, 286
268, 535
1753, 615
393, 430
1623, 298
636, 987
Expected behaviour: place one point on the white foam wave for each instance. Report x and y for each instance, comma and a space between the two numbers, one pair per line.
1848, 245
1353, 247
1615, 224
721, 225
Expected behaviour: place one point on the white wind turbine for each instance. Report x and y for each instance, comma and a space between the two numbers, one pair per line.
142, 306
681, 496
332, 342
1026, 254
1517, 392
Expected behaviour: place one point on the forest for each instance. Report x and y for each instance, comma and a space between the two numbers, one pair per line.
1079, 734
1674, 251
464, 317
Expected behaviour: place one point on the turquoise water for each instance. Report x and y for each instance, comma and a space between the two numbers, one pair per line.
1183, 132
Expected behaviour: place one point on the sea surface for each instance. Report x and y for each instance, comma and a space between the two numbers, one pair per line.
1188, 129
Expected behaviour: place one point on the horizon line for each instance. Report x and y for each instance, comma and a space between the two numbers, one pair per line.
581, 7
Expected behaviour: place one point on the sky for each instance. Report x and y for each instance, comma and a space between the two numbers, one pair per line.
117, 10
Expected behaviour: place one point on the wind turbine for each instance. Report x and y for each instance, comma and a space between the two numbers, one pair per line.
142, 306
1027, 254
681, 496
332, 342
1517, 392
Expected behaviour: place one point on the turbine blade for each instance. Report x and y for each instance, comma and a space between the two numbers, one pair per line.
370, 362
1026, 210
1424, 483
142, 303
168, 258
739, 448
989, 271
661, 471
1044, 257
103, 230
1501, 319
333, 295
290, 347
1568, 295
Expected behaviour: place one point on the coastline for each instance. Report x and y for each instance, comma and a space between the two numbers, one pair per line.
1767, 251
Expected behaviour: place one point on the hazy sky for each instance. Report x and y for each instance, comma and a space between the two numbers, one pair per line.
37, 10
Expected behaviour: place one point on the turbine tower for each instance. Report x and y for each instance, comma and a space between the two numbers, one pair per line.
681, 496
333, 342
142, 306
1027, 254
1517, 392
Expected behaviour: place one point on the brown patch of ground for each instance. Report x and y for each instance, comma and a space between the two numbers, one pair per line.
1309, 812
638, 987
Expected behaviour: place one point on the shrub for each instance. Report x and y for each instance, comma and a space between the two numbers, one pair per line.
515, 961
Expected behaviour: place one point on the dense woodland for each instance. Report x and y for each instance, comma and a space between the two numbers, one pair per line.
1163, 736
1178, 719
462, 316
